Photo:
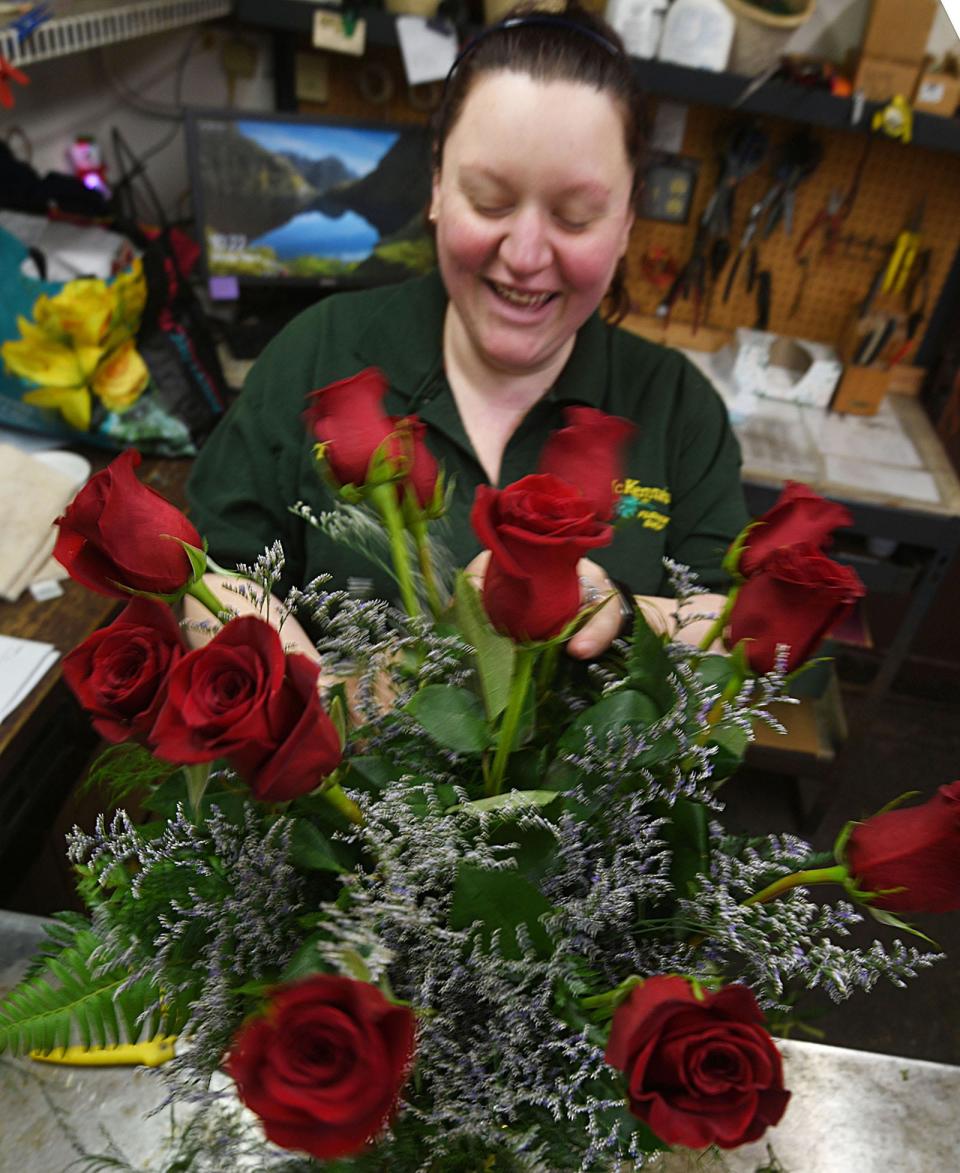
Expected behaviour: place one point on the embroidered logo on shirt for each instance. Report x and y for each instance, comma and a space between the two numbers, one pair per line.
647, 504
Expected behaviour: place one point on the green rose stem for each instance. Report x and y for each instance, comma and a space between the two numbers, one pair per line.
519, 686
383, 497
338, 798
418, 527
203, 594
837, 874
715, 631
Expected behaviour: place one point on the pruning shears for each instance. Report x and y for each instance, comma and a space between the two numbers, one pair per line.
904, 254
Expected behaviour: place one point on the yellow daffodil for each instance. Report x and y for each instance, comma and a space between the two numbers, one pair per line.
131, 292
39, 359
83, 311
121, 378
73, 403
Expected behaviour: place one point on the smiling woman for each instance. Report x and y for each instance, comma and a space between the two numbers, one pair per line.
536, 152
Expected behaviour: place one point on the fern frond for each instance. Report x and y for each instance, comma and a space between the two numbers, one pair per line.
70, 1001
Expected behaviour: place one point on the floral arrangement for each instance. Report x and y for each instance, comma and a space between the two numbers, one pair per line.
79, 349
453, 901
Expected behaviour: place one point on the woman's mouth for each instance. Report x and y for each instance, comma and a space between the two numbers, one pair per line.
519, 297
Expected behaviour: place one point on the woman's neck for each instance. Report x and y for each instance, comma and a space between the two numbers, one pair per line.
492, 401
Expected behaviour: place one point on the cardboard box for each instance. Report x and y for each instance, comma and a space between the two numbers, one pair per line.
898, 30
882, 79
861, 390
937, 93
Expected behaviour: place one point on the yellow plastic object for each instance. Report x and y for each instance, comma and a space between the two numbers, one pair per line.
895, 119
148, 1054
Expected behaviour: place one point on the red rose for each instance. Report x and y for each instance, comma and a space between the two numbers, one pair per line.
913, 854
241, 698
588, 453
795, 598
119, 533
323, 1068
118, 674
536, 530
699, 1070
800, 515
348, 418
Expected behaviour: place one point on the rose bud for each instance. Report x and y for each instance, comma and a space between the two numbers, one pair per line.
323, 1067
588, 453
119, 673
536, 530
239, 697
799, 516
908, 859
118, 535
700, 1068
348, 419
794, 599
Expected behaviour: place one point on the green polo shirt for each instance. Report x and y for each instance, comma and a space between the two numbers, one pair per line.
680, 496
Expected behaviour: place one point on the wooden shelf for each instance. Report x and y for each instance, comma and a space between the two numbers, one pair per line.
95, 25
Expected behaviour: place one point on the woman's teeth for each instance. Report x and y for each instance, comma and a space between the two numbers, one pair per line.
515, 297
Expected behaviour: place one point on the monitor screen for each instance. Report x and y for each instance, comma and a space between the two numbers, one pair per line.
289, 199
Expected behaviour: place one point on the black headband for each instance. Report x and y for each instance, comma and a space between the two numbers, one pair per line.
544, 20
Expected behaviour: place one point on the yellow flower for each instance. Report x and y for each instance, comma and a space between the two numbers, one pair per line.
131, 292
36, 357
73, 403
121, 378
82, 311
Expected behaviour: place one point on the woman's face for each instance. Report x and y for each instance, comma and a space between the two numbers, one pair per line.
533, 211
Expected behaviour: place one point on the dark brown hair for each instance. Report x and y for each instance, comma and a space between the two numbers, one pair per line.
569, 45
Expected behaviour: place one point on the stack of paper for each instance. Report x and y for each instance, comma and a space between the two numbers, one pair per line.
23, 664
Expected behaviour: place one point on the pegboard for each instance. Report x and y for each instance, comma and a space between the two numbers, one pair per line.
894, 179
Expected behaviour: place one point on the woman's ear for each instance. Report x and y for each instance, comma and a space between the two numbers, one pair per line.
627, 229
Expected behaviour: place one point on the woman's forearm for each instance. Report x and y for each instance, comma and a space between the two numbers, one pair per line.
295, 639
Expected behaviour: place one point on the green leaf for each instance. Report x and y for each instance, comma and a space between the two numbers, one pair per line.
494, 652
198, 560
714, 669
649, 667
371, 774
452, 717
500, 900
635, 710
197, 776
311, 850
731, 742
511, 801
686, 834
66, 1001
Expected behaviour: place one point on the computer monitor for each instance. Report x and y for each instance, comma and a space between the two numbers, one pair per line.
283, 199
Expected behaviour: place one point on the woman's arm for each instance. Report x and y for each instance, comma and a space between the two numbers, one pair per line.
295, 639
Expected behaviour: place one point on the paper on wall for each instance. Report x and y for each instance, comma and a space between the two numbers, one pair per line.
428, 52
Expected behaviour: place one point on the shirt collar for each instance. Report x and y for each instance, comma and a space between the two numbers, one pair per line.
404, 339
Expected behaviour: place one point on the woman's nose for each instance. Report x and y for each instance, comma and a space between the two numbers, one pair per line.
526, 246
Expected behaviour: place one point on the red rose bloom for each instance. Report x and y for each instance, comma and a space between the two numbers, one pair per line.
911, 857
795, 598
536, 530
799, 516
348, 418
119, 673
699, 1071
119, 533
588, 453
323, 1068
241, 698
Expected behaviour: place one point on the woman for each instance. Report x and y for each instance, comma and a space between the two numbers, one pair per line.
537, 150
